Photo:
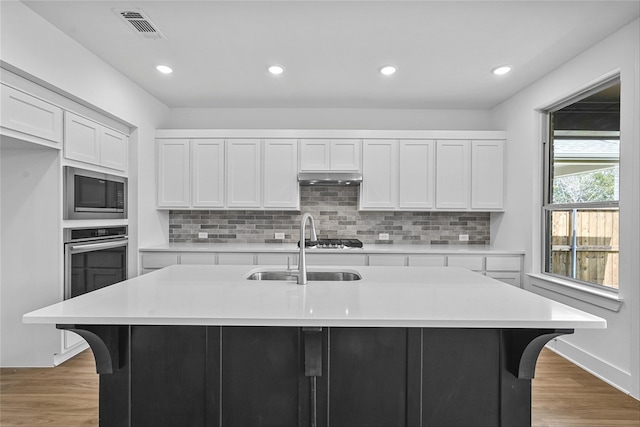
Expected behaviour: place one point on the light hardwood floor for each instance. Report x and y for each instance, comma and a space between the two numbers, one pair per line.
67, 396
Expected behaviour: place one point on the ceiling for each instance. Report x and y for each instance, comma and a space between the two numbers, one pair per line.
332, 50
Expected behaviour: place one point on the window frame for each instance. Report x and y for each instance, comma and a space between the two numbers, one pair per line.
548, 207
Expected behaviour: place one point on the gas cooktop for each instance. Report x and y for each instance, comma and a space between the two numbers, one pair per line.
332, 243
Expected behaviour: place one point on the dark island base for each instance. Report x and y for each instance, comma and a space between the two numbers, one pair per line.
288, 376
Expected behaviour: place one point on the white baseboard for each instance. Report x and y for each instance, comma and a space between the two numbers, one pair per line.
613, 376
59, 358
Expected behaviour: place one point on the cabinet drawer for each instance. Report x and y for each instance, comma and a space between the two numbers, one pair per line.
159, 259
465, 261
235, 259
510, 278
277, 259
503, 263
426, 261
336, 259
387, 260
197, 258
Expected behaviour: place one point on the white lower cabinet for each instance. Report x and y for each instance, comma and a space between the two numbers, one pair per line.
506, 268
388, 260
236, 259
336, 259
426, 261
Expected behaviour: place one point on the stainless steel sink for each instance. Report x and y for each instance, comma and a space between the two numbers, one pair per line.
326, 276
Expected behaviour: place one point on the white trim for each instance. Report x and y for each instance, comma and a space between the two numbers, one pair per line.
604, 298
331, 133
606, 372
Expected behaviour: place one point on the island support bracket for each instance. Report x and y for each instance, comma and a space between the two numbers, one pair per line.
108, 343
522, 347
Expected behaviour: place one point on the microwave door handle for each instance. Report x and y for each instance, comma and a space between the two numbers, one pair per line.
97, 246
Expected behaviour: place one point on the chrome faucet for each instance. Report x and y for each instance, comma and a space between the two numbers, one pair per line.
302, 261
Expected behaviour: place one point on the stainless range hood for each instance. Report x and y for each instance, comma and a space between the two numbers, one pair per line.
329, 178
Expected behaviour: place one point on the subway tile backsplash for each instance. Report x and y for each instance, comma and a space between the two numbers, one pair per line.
335, 211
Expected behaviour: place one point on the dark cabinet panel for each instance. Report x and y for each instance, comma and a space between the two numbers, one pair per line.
367, 377
461, 377
261, 375
167, 381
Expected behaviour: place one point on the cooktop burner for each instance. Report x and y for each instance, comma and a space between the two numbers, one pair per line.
332, 243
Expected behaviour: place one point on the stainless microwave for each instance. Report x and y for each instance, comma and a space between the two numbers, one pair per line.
94, 195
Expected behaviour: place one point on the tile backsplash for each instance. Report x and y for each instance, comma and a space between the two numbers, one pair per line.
335, 211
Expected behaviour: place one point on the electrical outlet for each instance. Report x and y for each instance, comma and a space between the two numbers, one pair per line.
203, 235
383, 236
279, 236
463, 237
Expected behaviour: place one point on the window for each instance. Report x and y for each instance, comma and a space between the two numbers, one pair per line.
580, 210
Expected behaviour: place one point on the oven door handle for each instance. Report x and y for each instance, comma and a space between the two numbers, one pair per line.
97, 246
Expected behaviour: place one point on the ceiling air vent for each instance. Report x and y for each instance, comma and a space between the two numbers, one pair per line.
140, 23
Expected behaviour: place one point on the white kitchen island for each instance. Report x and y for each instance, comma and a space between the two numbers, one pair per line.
202, 345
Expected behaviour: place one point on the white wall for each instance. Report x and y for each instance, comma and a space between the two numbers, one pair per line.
30, 188
329, 118
613, 354
35, 49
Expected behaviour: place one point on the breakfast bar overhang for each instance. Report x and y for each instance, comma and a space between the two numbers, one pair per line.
424, 346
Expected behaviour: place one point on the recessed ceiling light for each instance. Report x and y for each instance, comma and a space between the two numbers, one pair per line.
503, 69
276, 69
387, 70
164, 69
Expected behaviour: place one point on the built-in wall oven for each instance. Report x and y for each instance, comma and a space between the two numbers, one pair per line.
94, 195
95, 257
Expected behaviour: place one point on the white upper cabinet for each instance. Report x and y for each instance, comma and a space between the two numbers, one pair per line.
29, 115
379, 188
453, 171
90, 142
330, 154
470, 175
212, 173
113, 150
174, 175
280, 168
244, 173
207, 172
417, 175
487, 175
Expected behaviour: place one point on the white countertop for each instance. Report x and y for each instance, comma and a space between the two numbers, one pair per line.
385, 297
367, 249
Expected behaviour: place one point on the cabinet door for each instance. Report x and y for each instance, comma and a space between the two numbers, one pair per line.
345, 155
173, 173
315, 155
452, 174
27, 114
82, 139
379, 189
113, 149
487, 179
207, 171
281, 189
243, 173
417, 175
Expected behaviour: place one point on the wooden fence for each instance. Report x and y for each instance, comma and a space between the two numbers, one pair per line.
597, 246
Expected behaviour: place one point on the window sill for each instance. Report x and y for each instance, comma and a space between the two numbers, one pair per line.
609, 300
